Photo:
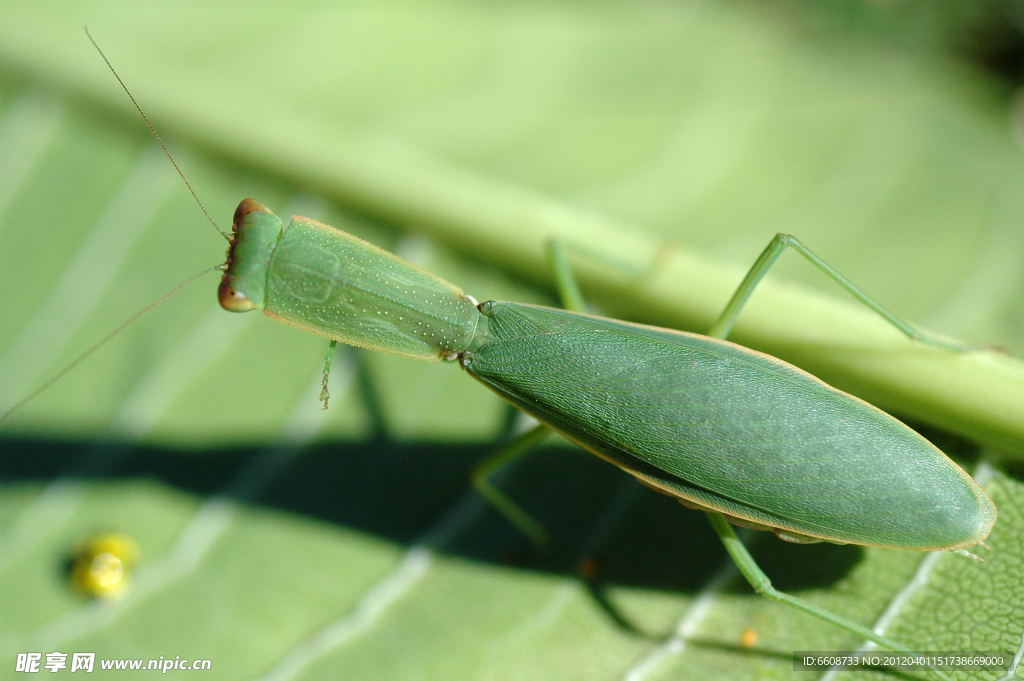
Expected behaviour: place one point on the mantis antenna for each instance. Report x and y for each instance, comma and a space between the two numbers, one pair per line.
106, 339
157, 136
138, 315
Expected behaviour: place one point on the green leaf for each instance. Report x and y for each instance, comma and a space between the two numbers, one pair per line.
277, 539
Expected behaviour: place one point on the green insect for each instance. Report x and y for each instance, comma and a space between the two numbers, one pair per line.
744, 436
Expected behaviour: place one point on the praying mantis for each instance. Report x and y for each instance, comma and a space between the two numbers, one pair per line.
483, 303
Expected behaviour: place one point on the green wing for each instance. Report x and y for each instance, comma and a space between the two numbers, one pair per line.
730, 429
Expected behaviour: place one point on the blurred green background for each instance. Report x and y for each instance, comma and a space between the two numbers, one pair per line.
280, 541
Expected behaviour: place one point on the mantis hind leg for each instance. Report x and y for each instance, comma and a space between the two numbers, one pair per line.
762, 585
725, 322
